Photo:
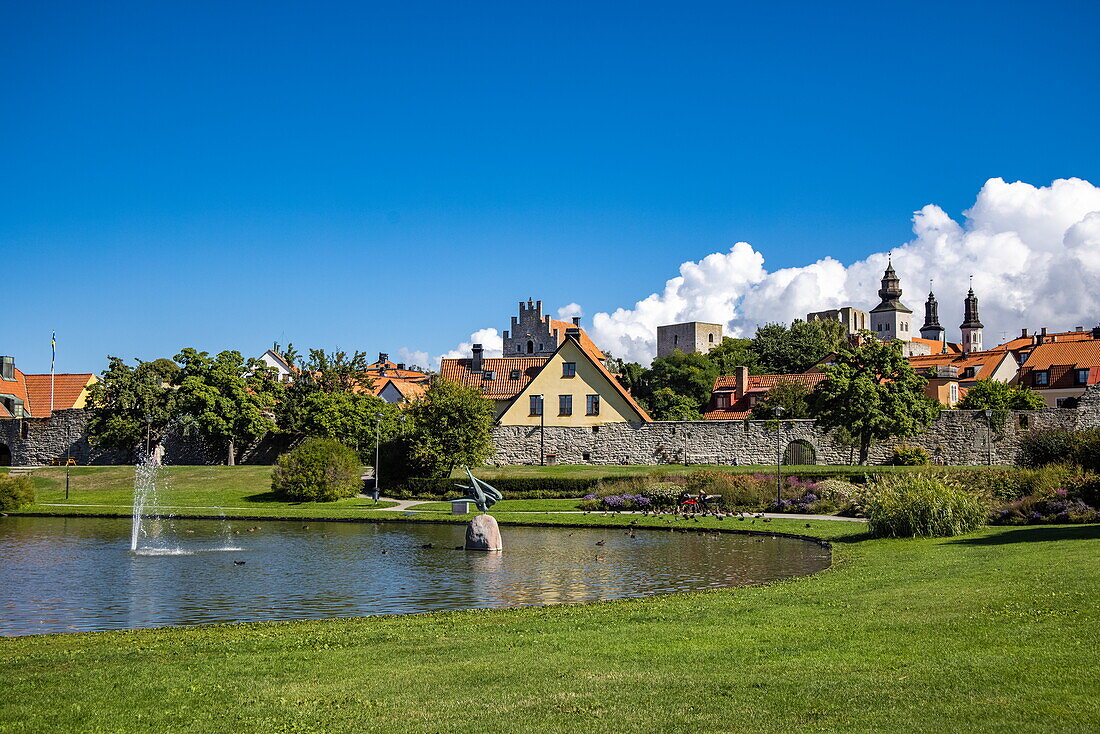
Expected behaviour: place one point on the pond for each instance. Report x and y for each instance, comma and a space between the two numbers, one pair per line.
76, 574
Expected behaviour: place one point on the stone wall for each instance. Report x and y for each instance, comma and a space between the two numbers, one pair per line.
956, 437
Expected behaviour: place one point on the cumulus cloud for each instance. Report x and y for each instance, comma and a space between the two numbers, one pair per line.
490, 340
411, 357
1034, 252
567, 312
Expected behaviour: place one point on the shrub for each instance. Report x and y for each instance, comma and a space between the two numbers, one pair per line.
921, 505
836, 490
664, 495
910, 456
15, 492
318, 470
1035, 510
1040, 448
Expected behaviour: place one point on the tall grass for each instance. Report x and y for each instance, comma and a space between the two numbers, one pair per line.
922, 506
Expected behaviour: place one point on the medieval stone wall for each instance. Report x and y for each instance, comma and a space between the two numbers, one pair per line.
956, 437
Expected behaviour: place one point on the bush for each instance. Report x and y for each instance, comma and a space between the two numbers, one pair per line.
1033, 510
15, 492
1041, 448
319, 470
921, 505
664, 495
910, 456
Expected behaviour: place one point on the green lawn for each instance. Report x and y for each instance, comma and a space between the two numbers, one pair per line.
242, 490
993, 632
509, 506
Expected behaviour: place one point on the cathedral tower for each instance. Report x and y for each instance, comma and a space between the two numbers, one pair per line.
932, 329
971, 326
890, 319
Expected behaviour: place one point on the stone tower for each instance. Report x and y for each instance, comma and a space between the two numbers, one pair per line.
971, 326
932, 329
689, 338
890, 319
532, 334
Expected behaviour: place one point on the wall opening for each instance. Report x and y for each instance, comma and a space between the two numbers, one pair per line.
800, 453
5, 455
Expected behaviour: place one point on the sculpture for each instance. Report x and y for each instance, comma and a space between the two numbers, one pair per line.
481, 494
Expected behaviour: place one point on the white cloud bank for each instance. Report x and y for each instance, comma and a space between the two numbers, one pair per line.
1034, 253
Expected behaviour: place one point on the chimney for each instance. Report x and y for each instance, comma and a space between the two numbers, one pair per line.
1096, 332
7, 368
1023, 333
475, 363
1079, 328
577, 322
574, 334
383, 357
742, 374
400, 365
1042, 335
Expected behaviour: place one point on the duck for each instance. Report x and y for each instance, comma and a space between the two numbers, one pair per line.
239, 563
601, 542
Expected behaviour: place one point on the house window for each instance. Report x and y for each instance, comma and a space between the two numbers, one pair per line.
721, 402
568, 369
530, 347
488, 375
513, 375
536, 405
954, 391
565, 405
675, 338
519, 348
540, 347
592, 405
1040, 378
968, 372
1082, 377
710, 338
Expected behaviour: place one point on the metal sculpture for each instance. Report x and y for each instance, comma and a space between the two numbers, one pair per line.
481, 494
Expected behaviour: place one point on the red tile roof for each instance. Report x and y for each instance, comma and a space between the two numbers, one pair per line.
1062, 359
16, 387
1024, 342
68, 392
389, 369
984, 363
757, 384
937, 346
408, 389
502, 386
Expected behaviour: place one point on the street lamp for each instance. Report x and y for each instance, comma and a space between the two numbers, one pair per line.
542, 431
778, 456
377, 442
988, 436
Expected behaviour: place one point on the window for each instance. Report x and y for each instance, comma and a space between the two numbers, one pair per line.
565, 405
536, 405
488, 375
585, 456
530, 347
968, 372
710, 338
954, 391
513, 375
592, 405
1082, 377
721, 402
1040, 378
675, 338
519, 348
595, 429
568, 369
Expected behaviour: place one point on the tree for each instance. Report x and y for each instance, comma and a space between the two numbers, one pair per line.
689, 375
667, 405
874, 394
129, 404
629, 374
792, 396
451, 425
731, 354
781, 351
227, 400
994, 395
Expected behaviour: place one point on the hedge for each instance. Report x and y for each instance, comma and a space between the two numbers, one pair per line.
520, 488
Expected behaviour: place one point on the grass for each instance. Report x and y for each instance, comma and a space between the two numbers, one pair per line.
991, 632
510, 506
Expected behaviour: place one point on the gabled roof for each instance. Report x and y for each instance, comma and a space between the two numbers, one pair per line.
390, 369
1026, 342
502, 386
1062, 359
585, 341
68, 392
757, 384
985, 363
408, 389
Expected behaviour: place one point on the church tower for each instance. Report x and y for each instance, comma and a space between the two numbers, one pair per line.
931, 329
971, 326
890, 319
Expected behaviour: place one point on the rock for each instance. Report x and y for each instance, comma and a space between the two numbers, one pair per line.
483, 534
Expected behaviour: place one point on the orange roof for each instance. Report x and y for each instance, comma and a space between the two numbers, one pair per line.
16, 387
389, 369
502, 386
408, 389
1063, 359
984, 363
586, 342
68, 392
757, 384
1023, 342
937, 346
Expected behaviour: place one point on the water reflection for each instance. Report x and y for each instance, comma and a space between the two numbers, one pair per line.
65, 574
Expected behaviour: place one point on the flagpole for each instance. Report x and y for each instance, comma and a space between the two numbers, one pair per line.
53, 358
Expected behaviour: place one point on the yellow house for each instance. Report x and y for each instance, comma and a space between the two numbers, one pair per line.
570, 388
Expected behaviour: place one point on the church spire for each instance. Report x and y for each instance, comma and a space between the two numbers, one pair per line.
932, 329
971, 325
890, 319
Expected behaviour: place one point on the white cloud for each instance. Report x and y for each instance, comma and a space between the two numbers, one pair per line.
490, 340
1034, 253
566, 313
411, 357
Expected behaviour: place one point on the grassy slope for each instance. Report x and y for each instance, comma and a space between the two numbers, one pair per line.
993, 632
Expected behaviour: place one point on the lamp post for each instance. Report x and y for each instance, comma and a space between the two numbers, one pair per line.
778, 456
542, 430
377, 442
988, 436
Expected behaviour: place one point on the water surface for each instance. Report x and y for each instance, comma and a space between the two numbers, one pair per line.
72, 574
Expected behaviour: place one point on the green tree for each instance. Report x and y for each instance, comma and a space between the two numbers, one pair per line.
227, 400
667, 405
629, 374
782, 351
874, 394
318, 470
451, 426
733, 353
994, 395
691, 376
130, 404
792, 396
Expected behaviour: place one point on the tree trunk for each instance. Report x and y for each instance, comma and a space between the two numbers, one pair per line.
232, 459
864, 450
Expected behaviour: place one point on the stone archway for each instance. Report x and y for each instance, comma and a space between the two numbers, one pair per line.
5, 455
800, 453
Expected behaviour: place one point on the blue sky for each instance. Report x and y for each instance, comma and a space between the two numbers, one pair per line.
367, 175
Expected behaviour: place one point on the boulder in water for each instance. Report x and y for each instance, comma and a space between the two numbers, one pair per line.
482, 534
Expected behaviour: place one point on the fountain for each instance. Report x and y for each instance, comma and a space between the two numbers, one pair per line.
145, 495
